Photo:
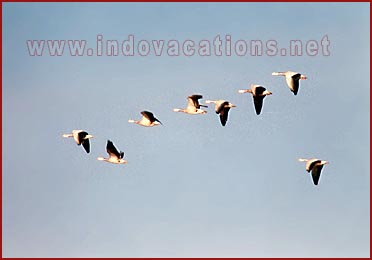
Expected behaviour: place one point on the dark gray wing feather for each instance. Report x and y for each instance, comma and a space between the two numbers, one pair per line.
81, 136
315, 173
258, 103
86, 145
148, 115
221, 107
224, 115
195, 100
111, 149
295, 83
259, 90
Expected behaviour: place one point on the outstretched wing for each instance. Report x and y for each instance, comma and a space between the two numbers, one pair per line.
81, 136
193, 100
224, 115
311, 164
86, 145
259, 90
148, 115
221, 106
258, 103
315, 173
295, 83
111, 149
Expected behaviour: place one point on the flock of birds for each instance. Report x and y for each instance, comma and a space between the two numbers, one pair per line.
222, 108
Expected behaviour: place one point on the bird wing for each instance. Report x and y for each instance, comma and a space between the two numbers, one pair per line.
311, 163
192, 104
294, 83
81, 136
259, 90
148, 115
220, 105
223, 115
258, 103
111, 149
315, 173
194, 99
86, 145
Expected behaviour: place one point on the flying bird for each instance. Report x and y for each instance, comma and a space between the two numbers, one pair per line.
259, 93
222, 108
81, 138
115, 156
315, 166
292, 78
148, 119
193, 106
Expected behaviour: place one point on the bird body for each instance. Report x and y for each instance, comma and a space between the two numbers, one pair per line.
193, 106
292, 79
115, 156
81, 137
148, 119
314, 166
222, 108
259, 93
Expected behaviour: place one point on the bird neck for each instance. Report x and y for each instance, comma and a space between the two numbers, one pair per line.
278, 73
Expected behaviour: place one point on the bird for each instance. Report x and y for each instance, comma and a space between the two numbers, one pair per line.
148, 119
292, 78
315, 166
81, 137
222, 108
259, 93
193, 106
115, 156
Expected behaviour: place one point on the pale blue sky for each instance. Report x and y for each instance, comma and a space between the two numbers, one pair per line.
192, 187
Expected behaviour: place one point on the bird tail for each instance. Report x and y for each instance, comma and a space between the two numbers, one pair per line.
131, 121
302, 160
67, 135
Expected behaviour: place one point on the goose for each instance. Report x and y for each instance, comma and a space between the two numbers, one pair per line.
81, 137
292, 78
259, 93
193, 106
222, 108
315, 166
115, 156
148, 119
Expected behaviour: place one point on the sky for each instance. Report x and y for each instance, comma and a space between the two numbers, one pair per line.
191, 188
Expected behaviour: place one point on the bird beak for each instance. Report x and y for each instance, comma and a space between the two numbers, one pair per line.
241, 91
